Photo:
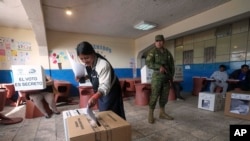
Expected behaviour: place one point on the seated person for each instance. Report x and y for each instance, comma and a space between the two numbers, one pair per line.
220, 78
46, 94
243, 75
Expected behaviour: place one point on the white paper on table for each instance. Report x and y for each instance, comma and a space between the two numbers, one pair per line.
78, 68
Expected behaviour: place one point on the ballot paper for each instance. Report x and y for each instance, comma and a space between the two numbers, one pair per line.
91, 114
78, 68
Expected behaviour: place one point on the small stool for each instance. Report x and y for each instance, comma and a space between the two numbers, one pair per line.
32, 111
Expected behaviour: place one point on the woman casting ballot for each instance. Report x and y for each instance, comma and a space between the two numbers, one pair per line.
107, 89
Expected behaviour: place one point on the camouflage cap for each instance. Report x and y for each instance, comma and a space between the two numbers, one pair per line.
159, 38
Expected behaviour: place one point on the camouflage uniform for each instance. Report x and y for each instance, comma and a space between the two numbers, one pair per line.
160, 82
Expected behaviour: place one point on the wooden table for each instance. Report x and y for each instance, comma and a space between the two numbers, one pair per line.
85, 93
10, 93
3, 119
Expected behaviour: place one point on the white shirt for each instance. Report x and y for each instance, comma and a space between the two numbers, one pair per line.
218, 75
103, 70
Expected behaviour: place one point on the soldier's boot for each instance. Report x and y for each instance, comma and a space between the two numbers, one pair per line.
151, 116
163, 115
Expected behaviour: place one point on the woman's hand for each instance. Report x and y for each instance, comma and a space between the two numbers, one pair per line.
93, 100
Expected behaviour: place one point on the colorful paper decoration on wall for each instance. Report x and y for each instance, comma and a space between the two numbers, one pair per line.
14, 52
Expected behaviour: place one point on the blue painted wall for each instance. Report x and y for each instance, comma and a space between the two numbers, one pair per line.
203, 70
67, 75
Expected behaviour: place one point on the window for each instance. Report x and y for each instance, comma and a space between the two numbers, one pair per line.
209, 55
188, 57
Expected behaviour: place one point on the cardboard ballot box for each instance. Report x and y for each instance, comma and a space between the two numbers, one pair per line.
146, 74
110, 127
210, 101
238, 105
27, 77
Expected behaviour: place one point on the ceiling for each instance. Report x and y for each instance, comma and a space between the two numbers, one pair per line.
114, 18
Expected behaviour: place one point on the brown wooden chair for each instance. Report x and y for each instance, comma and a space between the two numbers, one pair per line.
130, 86
10, 92
62, 89
3, 119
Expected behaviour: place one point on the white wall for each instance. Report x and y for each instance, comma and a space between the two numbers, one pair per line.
122, 49
33, 56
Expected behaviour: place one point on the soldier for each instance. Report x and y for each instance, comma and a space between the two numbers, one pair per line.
161, 61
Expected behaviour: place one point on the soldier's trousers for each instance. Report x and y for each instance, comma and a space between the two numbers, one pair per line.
160, 89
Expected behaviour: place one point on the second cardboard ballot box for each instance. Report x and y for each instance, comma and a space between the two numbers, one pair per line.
109, 127
210, 101
238, 105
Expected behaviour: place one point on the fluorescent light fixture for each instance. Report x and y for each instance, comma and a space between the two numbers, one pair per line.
144, 26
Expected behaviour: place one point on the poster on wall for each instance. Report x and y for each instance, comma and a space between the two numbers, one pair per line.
103, 50
2, 55
58, 57
14, 52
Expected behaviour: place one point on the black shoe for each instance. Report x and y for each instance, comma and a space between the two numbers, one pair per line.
57, 113
47, 116
181, 98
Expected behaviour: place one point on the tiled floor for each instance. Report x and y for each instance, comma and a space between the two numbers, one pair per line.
190, 124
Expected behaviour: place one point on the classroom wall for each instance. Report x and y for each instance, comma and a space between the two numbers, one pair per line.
215, 15
233, 8
124, 54
119, 51
116, 50
19, 47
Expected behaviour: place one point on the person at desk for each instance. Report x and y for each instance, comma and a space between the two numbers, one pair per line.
243, 75
161, 61
46, 94
106, 86
220, 78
